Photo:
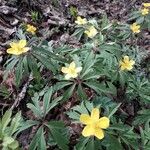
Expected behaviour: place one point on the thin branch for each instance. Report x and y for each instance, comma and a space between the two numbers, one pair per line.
22, 93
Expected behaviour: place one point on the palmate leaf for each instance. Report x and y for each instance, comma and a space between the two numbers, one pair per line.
57, 131
41, 107
47, 99
38, 140
112, 143
43, 51
33, 65
19, 72
81, 93
84, 108
87, 64
15, 123
101, 88
46, 62
91, 75
25, 125
61, 85
68, 93
88, 143
5, 120
25, 64
10, 63
78, 33
126, 135
81, 145
37, 112
142, 117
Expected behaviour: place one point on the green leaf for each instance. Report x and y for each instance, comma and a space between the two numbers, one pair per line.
47, 99
98, 87
6, 119
56, 129
14, 145
60, 85
68, 93
25, 64
90, 145
91, 75
78, 33
15, 123
42, 51
81, 93
33, 66
46, 62
42, 142
36, 141
113, 142
82, 143
73, 115
7, 140
114, 110
27, 124
19, 72
37, 112
87, 64
54, 103
11, 63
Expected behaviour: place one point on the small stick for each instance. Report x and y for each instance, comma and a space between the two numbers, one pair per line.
22, 93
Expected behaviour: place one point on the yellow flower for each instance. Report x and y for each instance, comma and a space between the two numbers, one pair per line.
18, 48
135, 28
81, 21
71, 71
126, 64
91, 32
144, 11
94, 124
31, 29
146, 4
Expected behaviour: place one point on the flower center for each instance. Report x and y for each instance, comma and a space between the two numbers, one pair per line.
72, 71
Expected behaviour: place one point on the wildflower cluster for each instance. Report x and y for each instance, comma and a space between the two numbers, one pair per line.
135, 27
99, 85
90, 30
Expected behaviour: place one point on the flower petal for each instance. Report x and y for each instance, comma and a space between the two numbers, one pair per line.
78, 69
129, 67
121, 63
13, 51
79, 18
132, 62
85, 119
73, 75
103, 122
22, 43
146, 4
10, 50
67, 76
64, 69
88, 131
126, 59
99, 133
123, 67
25, 49
72, 65
95, 114
13, 44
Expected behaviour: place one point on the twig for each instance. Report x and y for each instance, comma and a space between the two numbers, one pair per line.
22, 93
